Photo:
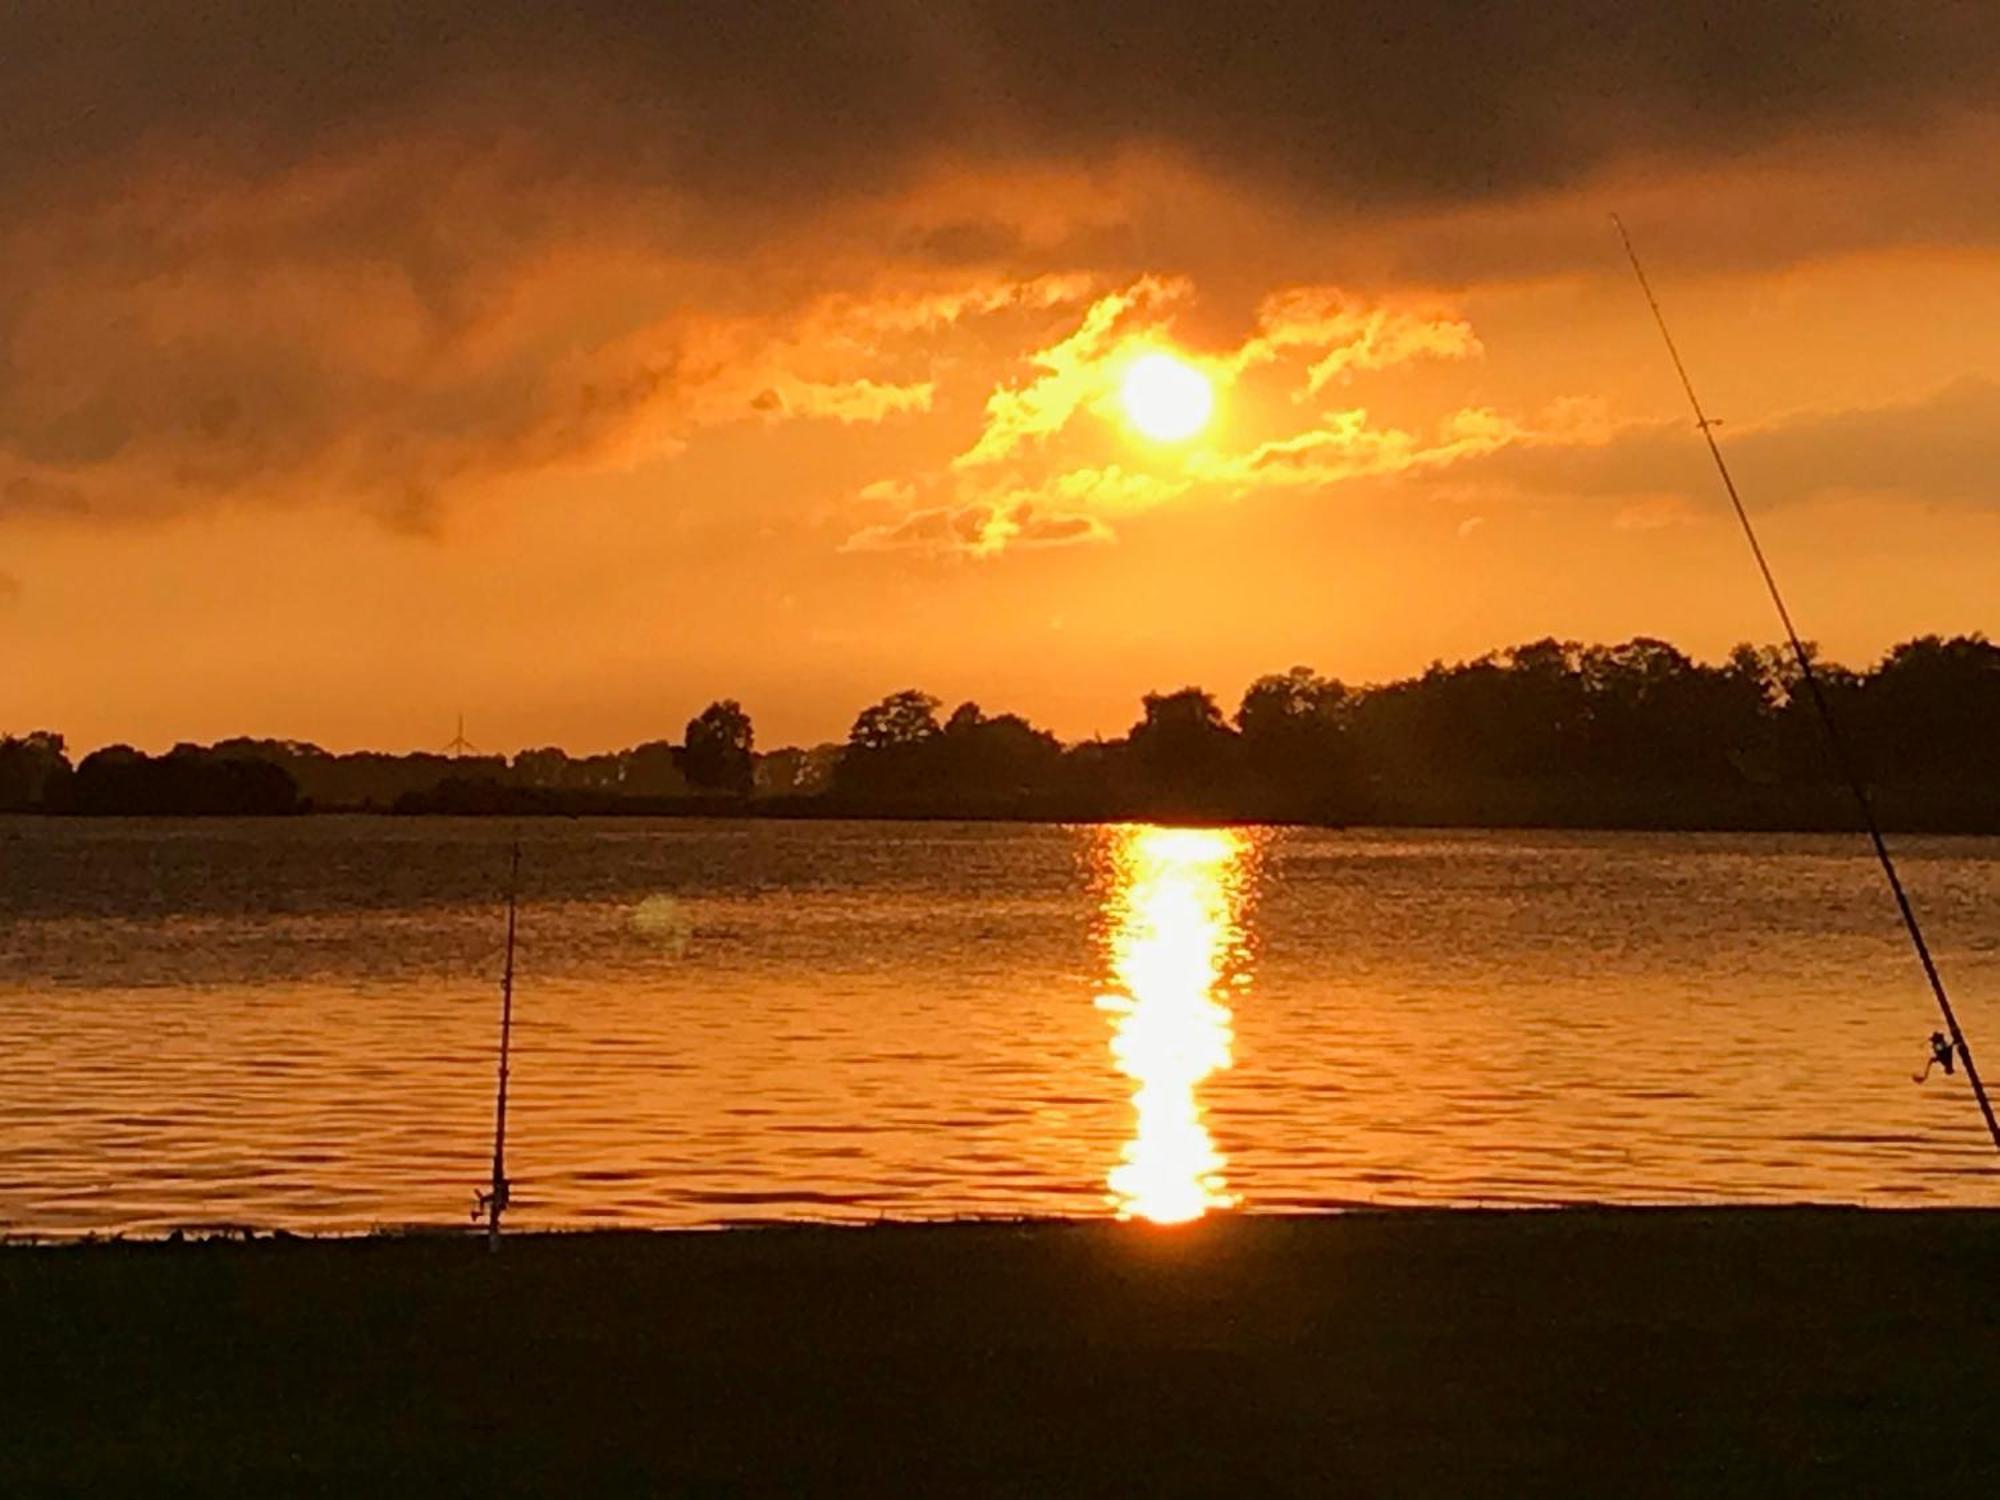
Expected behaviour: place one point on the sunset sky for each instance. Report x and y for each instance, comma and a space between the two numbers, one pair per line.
572, 365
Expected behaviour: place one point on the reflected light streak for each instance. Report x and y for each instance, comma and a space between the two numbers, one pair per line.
1174, 923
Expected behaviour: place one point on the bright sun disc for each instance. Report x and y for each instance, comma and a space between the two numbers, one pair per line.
1166, 399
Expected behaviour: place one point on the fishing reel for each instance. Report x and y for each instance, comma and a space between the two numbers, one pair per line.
1941, 1056
490, 1205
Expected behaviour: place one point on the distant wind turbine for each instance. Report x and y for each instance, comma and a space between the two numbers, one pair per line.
458, 744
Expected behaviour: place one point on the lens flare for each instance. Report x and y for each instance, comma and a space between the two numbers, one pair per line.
1174, 910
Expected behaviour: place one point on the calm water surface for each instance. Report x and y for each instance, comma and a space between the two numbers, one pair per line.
293, 1023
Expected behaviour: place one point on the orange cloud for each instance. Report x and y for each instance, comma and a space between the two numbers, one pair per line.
1941, 446
257, 372
1354, 336
1026, 460
1073, 371
978, 530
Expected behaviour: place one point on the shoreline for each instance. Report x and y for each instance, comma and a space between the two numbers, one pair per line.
223, 1232
1981, 827
1580, 1350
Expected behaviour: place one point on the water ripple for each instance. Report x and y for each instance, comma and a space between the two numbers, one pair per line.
294, 1025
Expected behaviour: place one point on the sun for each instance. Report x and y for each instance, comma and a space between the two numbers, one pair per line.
1167, 399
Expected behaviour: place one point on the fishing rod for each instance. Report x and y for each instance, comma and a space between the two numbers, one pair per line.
493, 1202
1942, 1050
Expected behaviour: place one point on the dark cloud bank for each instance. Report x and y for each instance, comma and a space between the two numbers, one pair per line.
200, 199
1410, 100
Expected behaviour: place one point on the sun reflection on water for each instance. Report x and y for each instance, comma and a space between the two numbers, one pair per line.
1173, 915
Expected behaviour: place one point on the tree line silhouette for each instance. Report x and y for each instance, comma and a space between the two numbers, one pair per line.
1551, 733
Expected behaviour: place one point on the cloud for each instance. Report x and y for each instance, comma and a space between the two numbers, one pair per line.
1942, 446
1074, 370
1355, 337
1111, 488
978, 530
246, 378
845, 401
1022, 482
756, 105
1655, 513
1081, 370
1345, 446
893, 490
23, 494
379, 253
1939, 447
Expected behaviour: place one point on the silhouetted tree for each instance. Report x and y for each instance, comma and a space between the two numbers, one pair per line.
999, 758
897, 722
548, 766
653, 770
720, 742
1657, 715
1182, 754
885, 747
34, 771
1094, 776
1544, 707
1286, 703
1932, 710
795, 772
1635, 732
1295, 741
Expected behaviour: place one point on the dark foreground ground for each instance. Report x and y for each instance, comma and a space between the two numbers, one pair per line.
1585, 1353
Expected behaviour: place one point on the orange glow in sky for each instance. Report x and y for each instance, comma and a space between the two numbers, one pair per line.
527, 383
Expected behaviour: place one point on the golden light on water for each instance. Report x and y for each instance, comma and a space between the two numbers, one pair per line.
1174, 910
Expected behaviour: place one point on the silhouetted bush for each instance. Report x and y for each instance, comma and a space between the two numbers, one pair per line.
186, 782
1547, 733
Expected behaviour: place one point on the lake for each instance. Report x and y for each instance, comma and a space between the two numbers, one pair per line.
293, 1023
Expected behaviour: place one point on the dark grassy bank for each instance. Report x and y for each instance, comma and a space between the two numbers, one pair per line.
1456, 1353
1664, 807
